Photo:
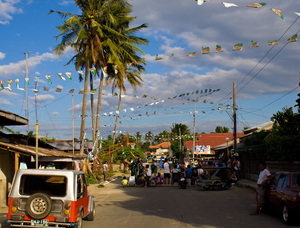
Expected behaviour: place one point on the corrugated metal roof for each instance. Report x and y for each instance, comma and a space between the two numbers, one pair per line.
30, 150
9, 118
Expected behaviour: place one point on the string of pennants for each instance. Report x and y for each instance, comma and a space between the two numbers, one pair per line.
236, 47
253, 5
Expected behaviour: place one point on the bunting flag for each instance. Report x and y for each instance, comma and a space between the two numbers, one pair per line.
93, 71
58, 90
48, 78
294, 38
205, 50
45, 89
1, 85
17, 82
60, 75
219, 108
238, 47
144, 96
219, 48
104, 71
9, 81
191, 54
200, 2
81, 92
115, 68
27, 80
278, 12
93, 91
71, 91
157, 57
35, 91
226, 4
274, 42
69, 75
81, 73
298, 14
171, 56
253, 44
257, 5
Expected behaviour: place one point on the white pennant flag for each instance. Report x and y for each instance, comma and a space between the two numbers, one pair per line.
229, 4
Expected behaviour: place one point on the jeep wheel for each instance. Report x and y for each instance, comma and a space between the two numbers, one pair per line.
38, 206
285, 214
79, 221
91, 215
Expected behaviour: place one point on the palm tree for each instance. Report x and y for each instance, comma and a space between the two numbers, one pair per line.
89, 34
149, 136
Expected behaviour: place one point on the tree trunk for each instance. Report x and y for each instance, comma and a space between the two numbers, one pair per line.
92, 107
83, 113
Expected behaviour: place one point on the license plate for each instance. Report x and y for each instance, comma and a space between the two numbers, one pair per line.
42, 222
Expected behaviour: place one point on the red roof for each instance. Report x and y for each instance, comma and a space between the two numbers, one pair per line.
165, 145
212, 139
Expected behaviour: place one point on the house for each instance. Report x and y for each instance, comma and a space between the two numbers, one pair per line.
160, 150
205, 142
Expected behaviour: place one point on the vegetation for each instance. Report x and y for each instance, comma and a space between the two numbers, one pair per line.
220, 129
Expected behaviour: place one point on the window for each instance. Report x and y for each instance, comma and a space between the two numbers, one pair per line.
282, 181
296, 180
51, 185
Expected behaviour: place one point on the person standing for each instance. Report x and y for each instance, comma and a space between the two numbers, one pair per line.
105, 168
264, 177
167, 173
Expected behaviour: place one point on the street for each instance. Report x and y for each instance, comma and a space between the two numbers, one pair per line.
119, 206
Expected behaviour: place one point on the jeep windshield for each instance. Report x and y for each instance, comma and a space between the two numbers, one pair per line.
51, 185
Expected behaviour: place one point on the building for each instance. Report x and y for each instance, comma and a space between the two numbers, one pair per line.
161, 150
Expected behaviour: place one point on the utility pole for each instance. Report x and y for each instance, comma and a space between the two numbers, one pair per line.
194, 129
27, 115
36, 129
73, 120
234, 119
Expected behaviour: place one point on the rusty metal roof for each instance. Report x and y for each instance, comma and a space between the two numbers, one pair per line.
30, 150
8, 118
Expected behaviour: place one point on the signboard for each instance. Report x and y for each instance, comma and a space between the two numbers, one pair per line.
202, 149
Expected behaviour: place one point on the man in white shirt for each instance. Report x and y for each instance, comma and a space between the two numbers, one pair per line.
167, 173
105, 168
264, 176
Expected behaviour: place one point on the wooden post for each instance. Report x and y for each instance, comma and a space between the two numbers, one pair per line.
16, 161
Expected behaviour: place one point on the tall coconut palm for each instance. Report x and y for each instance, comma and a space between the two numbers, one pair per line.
87, 34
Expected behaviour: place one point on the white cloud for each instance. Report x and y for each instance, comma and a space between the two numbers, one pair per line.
55, 113
2, 55
7, 9
4, 101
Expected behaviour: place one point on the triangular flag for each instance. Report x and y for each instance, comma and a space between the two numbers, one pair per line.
274, 42
238, 47
171, 56
93, 91
71, 91
115, 68
48, 78
192, 54
278, 12
81, 92
257, 5
1, 85
253, 44
69, 75
45, 89
219, 48
200, 2
226, 4
205, 50
104, 71
298, 14
27, 80
58, 90
294, 38
9, 81
157, 57
81, 72
59, 74
17, 82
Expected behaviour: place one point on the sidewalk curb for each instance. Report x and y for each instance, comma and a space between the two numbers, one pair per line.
246, 184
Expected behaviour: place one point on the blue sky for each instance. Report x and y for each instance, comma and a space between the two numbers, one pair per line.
267, 77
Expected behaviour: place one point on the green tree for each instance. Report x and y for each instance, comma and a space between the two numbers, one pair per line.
220, 129
284, 140
149, 136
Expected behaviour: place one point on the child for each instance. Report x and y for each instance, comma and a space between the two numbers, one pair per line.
159, 179
124, 182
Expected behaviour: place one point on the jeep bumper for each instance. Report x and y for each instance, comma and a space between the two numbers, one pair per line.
26, 223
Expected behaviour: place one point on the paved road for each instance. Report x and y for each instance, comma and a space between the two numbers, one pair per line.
174, 207
171, 207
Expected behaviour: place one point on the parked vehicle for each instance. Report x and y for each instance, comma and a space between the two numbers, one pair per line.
52, 198
283, 195
216, 178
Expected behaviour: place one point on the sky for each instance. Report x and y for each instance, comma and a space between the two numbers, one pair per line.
266, 77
